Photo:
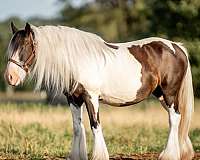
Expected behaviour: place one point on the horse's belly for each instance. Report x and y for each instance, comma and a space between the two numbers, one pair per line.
121, 80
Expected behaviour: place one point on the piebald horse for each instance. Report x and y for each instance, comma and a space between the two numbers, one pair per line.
88, 70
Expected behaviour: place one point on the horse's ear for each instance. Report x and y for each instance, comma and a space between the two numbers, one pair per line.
28, 28
13, 28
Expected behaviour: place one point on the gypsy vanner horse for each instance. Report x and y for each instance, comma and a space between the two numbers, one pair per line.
87, 70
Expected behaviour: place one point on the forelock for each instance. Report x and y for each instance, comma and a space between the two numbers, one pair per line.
17, 40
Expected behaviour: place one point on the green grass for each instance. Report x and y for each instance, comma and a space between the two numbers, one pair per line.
29, 131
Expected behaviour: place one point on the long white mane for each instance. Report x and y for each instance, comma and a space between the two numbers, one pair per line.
64, 54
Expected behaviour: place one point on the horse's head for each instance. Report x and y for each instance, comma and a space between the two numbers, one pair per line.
21, 55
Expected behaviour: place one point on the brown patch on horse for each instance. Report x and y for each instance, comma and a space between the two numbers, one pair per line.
171, 83
79, 90
149, 55
111, 46
80, 96
162, 70
76, 98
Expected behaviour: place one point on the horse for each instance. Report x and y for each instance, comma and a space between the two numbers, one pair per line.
89, 70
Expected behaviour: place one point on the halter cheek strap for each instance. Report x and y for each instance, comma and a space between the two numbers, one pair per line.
25, 65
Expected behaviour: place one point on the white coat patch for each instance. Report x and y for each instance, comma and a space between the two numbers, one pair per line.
122, 77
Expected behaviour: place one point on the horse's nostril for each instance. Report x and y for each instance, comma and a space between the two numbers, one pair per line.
10, 77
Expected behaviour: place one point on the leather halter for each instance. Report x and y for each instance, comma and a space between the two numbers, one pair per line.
26, 65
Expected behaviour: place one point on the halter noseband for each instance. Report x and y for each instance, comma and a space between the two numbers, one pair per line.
25, 65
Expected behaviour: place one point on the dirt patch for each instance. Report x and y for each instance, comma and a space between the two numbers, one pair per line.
145, 156
135, 156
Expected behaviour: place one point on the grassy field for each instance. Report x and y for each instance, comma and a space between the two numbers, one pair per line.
30, 131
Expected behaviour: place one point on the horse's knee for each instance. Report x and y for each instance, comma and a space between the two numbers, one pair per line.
77, 128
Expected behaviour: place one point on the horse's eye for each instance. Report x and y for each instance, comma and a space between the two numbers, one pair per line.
22, 48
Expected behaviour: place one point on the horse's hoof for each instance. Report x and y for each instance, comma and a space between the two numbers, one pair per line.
69, 157
168, 156
103, 156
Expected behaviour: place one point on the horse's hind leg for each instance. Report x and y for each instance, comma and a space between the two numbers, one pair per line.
100, 151
172, 150
182, 100
177, 147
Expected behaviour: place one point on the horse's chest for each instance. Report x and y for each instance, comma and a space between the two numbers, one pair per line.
121, 79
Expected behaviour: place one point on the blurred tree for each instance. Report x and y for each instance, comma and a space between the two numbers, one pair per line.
115, 20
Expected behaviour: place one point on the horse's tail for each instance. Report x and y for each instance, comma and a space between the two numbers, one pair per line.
186, 107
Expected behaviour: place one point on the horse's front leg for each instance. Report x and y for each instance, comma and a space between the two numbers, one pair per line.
79, 148
100, 151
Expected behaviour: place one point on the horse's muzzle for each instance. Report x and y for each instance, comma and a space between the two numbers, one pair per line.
12, 78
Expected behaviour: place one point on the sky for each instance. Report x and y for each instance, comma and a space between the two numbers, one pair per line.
29, 8
33, 8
